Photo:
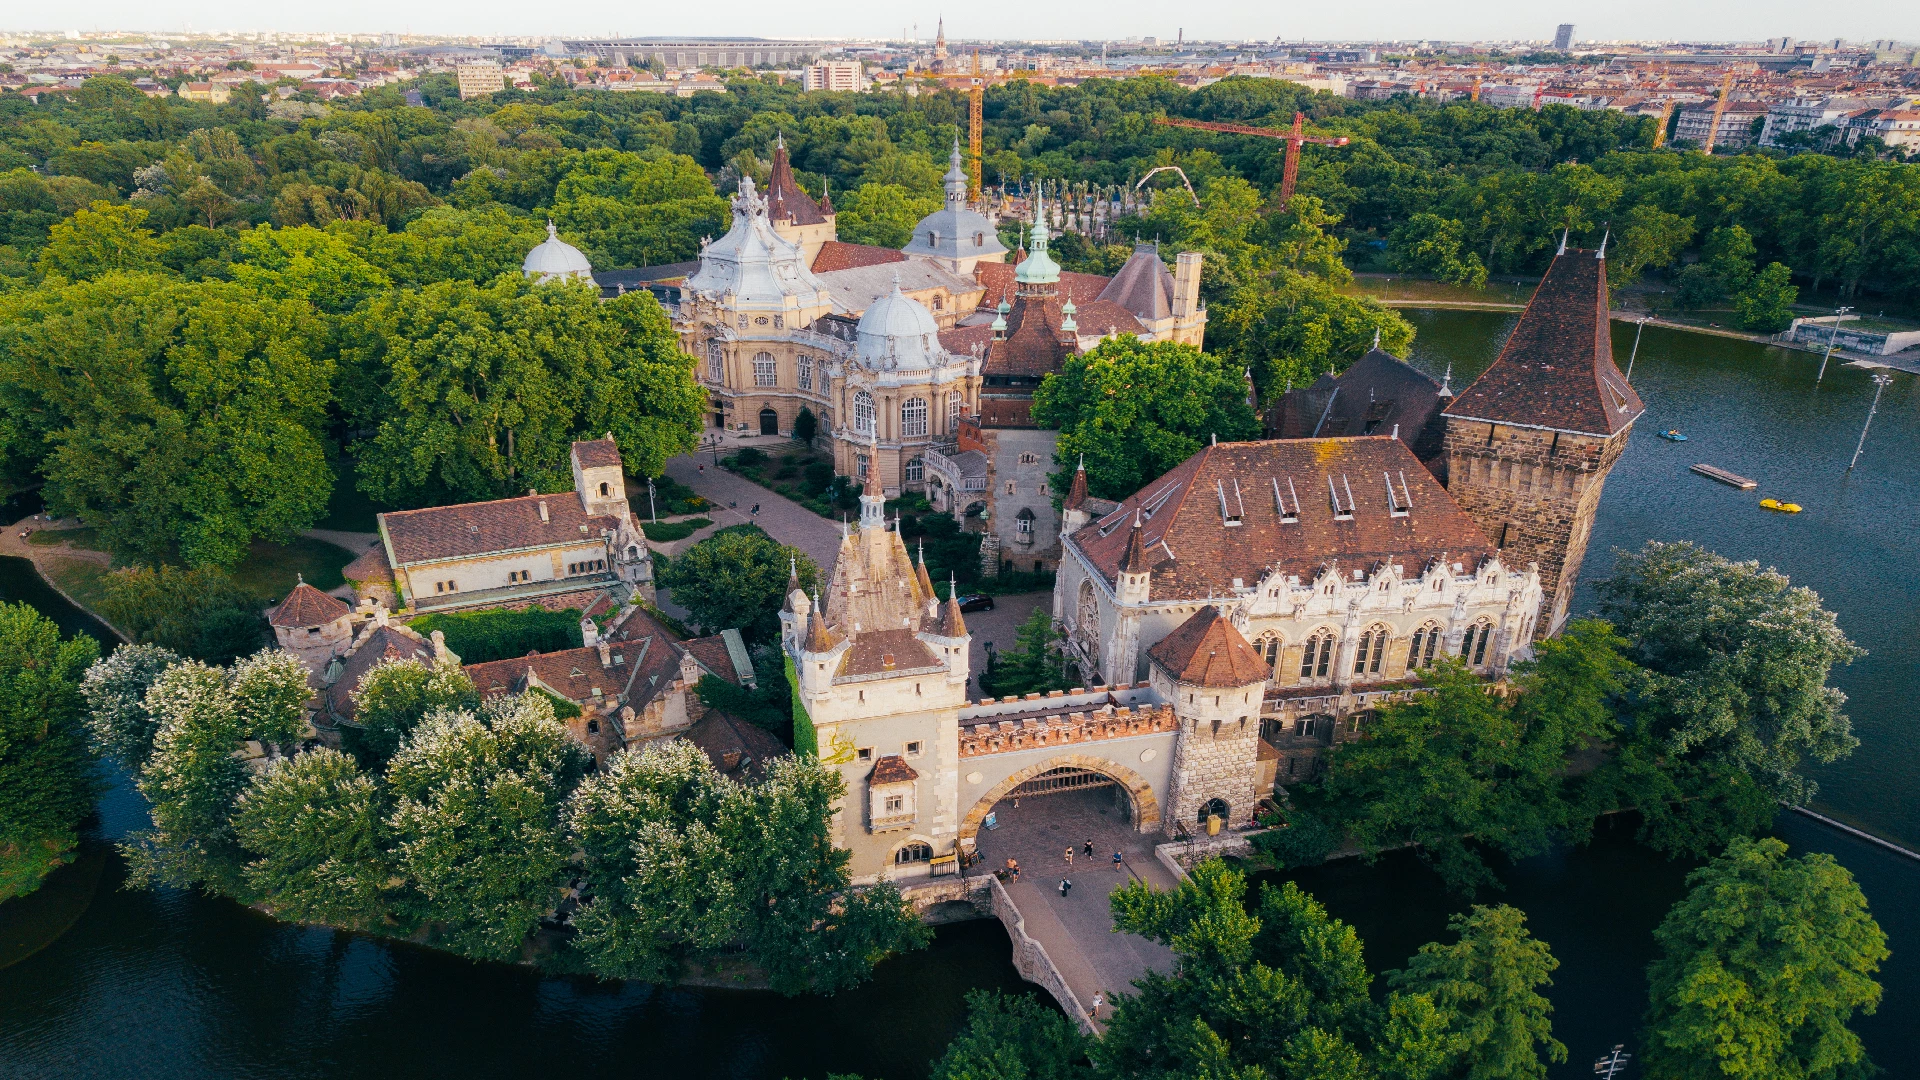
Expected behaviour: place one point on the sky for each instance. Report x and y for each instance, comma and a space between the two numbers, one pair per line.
1692, 20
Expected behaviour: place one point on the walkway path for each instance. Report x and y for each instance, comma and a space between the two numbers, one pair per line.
782, 518
1077, 929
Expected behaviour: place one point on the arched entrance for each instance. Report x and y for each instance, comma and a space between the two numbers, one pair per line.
769, 422
1070, 773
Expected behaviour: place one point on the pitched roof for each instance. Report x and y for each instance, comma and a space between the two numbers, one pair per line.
389, 642
875, 652
1032, 347
371, 566
643, 660
597, 453
1082, 289
443, 532
713, 654
892, 769
1077, 494
855, 288
1208, 651
1377, 395
307, 606
1557, 371
1144, 286
840, 255
736, 749
1194, 552
786, 200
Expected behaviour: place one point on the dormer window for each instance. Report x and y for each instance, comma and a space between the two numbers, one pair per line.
1233, 510
979, 239
603, 491
1286, 504
1342, 511
1400, 503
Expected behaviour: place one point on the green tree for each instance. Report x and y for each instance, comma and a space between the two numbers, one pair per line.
738, 579
1010, 1037
639, 209
395, 696
881, 214
476, 391
198, 613
47, 782
1288, 329
1649, 238
1737, 660
116, 691
1033, 665
1725, 268
270, 692
1299, 240
1766, 303
99, 240
1761, 966
477, 822
315, 824
191, 782
1430, 244
1486, 986
1136, 409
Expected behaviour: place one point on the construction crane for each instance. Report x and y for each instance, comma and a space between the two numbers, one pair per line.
1719, 108
1476, 89
1293, 138
1660, 133
976, 95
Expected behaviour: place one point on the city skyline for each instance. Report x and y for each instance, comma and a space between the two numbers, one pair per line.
1403, 20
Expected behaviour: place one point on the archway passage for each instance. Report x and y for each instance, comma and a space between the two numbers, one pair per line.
1072, 773
769, 422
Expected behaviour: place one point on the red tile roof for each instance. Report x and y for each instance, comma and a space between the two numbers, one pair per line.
1557, 371
892, 769
838, 255
712, 653
307, 606
1032, 347
785, 198
371, 566
1082, 289
597, 454
444, 532
1194, 553
877, 651
735, 748
1206, 650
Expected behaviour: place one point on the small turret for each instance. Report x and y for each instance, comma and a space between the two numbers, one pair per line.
1073, 512
1135, 571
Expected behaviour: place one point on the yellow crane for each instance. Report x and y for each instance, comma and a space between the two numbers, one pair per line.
1660, 133
976, 96
1476, 89
1719, 108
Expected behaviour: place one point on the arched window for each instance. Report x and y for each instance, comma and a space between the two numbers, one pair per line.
716, 362
938, 304
1089, 613
1473, 647
913, 418
953, 413
912, 853
1023, 522
916, 470
1425, 641
979, 239
603, 491
1318, 655
1373, 646
806, 373
1213, 808
764, 372
862, 412
1270, 649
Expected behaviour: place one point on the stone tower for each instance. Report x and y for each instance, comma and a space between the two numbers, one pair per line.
1216, 682
1528, 446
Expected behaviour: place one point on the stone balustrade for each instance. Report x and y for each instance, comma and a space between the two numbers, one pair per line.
1011, 734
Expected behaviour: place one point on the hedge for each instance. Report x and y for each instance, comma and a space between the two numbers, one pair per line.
480, 636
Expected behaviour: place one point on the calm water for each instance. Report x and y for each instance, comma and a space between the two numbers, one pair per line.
172, 984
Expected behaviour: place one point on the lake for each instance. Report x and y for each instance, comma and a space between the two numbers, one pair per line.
171, 984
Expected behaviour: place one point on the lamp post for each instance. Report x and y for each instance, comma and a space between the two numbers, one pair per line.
1832, 333
651, 512
1880, 381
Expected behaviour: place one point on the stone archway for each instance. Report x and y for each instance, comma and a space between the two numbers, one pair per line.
1146, 805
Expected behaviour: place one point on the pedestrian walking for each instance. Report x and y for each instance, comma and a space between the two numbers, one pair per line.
1089, 848
1116, 862
1094, 1010
1069, 856
1013, 869
756, 509
1066, 886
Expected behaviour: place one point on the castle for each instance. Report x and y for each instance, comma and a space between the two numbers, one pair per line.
1235, 617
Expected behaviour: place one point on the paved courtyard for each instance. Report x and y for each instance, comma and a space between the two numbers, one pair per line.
1077, 929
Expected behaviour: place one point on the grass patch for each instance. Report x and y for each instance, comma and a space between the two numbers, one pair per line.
82, 579
86, 539
665, 532
798, 472
481, 636
670, 497
270, 570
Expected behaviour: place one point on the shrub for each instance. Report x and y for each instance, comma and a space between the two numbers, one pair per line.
1298, 839
481, 636
202, 613
805, 424
665, 532
818, 476
748, 458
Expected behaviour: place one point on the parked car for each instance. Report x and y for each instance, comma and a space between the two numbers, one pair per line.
976, 602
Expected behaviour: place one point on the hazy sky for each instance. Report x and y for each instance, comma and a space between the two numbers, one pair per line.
1705, 20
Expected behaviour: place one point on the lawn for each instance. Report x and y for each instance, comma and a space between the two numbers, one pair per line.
268, 572
84, 538
80, 579
666, 532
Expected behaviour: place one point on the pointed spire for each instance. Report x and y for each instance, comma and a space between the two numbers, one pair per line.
1077, 494
920, 573
1376, 337
1134, 561
1446, 381
819, 637
1604, 237
952, 623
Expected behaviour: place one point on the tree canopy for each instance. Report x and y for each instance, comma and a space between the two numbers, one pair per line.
737, 578
47, 783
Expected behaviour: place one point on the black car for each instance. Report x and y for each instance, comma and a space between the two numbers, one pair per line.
976, 603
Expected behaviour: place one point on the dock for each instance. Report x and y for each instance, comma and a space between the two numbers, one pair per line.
1714, 472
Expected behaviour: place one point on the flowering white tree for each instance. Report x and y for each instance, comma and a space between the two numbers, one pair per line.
116, 691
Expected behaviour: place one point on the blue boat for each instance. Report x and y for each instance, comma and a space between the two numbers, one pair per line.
1673, 436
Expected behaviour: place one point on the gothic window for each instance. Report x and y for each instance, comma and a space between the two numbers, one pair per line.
764, 372
1023, 523
916, 470
1473, 647
1425, 640
953, 413
1318, 655
862, 412
806, 373
913, 418
1373, 645
1480, 647
1213, 808
1089, 613
1029, 459
912, 853
716, 369
1270, 649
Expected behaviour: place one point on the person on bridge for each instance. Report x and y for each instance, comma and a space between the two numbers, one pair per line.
1089, 847
1094, 1010
1117, 860
1066, 886
1013, 869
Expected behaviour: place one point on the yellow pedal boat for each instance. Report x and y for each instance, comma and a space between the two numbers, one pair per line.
1776, 504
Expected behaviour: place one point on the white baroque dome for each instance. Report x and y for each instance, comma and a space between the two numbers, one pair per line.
556, 259
897, 332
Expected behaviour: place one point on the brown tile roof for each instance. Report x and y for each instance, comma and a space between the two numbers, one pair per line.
390, 642
1377, 395
307, 606
1556, 370
785, 198
712, 653
819, 637
1208, 651
960, 340
997, 277
443, 532
1077, 494
597, 453
1006, 412
839, 255
1032, 347
892, 769
736, 749
371, 566
1195, 554
872, 650
1105, 317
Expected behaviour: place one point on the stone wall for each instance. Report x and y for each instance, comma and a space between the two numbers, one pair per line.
1030, 958
1214, 759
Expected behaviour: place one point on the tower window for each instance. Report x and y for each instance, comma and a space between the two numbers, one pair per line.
603, 491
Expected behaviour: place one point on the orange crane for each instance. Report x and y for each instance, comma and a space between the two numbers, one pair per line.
1476, 89
1660, 133
1719, 108
976, 92
1294, 139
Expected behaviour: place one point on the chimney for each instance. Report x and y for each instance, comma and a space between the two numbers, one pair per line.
543, 512
606, 654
